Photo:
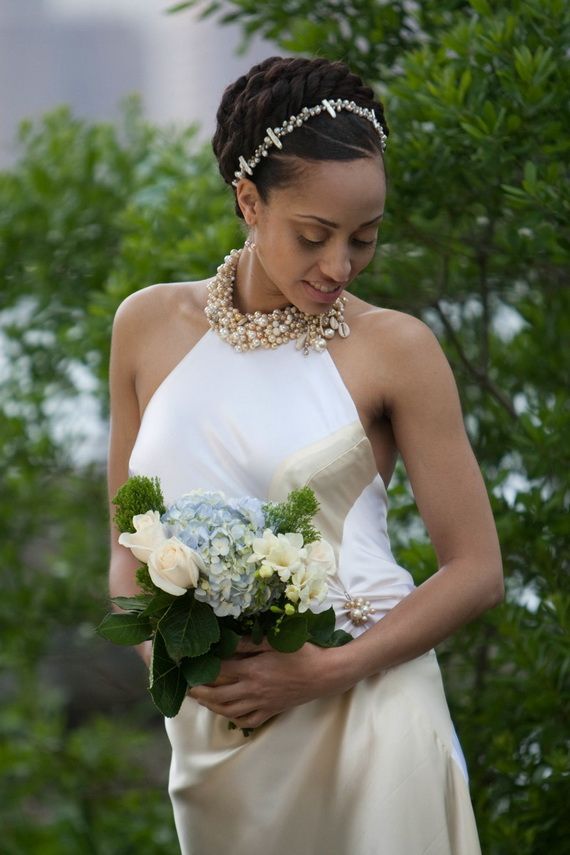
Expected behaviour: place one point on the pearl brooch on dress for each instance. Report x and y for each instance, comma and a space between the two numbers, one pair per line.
359, 610
268, 329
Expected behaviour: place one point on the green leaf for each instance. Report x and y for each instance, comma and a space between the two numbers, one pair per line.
291, 633
482, 7
227, 644
473, 131
189, 628
133, 604
530, 177
168, 685
158, 603
126, 629
180, 7
464, 84
339, 638
257, 632
321, 629
201, 669
320, 626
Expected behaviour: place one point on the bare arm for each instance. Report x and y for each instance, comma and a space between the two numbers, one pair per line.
125, 423
452, 499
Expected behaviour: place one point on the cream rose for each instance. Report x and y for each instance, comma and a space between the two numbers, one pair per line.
148, 536
175, 567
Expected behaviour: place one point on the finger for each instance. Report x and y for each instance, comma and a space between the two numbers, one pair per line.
222, 680
230, 671
247, 645
251, 720
218, 695
233, 710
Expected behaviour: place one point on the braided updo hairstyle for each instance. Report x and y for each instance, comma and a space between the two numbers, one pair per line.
280, 87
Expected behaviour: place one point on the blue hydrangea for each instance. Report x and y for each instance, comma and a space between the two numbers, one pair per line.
222, 530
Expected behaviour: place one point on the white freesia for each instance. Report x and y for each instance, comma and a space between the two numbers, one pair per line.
321, 554
308, 585
266, 571
148, 536
175, 567
282, 552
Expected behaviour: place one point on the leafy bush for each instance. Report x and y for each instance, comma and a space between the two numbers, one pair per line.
473, 242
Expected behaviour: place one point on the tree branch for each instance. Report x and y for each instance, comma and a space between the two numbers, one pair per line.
479, 374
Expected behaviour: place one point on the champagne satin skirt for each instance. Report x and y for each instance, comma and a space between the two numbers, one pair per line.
370, 772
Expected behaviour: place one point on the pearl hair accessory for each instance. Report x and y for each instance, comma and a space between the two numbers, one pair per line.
268, 329
273, 135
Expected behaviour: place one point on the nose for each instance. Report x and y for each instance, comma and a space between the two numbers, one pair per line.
335, 264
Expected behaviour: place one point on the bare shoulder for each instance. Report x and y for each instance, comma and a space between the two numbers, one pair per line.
400, 349
394, 328
417, 380
161, 302
153, 329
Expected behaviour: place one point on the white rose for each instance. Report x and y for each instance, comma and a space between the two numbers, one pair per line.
148, 536
175, 567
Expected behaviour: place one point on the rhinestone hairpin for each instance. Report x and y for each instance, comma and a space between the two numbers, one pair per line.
273, 135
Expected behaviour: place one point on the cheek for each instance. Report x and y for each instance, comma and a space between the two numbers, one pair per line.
288, 259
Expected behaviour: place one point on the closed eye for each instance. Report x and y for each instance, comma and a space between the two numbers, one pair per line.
314, 243
308, 242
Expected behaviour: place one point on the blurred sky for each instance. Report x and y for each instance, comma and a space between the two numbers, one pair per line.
91, 53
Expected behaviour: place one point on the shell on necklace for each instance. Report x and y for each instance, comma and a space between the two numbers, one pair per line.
267, 329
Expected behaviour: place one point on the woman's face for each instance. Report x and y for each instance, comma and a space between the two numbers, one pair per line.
314, 236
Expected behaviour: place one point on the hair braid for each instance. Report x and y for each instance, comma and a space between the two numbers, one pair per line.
278, 88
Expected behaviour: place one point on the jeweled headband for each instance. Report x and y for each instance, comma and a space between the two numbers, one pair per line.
273, 135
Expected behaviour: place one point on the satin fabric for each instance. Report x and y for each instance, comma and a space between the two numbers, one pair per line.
378, 769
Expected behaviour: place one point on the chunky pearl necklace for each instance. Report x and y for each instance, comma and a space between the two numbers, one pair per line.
268, 329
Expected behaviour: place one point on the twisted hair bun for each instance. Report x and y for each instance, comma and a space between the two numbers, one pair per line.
280, 87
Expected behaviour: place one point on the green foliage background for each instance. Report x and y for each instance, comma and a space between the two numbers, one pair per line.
475, 242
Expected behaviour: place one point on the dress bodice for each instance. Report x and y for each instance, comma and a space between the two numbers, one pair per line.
262, 423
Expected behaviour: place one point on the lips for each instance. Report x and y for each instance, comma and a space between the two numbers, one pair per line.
322, 296
324, 289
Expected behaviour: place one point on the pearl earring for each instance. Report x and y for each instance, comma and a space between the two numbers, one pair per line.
250, 244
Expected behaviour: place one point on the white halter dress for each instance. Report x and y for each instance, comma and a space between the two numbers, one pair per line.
377, 769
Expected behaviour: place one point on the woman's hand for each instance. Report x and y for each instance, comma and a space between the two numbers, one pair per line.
259, 682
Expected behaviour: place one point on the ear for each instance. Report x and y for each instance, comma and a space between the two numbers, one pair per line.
248, 200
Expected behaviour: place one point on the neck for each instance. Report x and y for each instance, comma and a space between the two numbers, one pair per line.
248, 333
253, 291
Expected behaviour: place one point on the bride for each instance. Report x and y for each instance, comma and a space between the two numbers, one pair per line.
273, 374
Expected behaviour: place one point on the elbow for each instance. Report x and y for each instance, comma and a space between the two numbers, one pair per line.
495, 593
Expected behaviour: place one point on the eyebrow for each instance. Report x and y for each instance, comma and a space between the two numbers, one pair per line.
335, 225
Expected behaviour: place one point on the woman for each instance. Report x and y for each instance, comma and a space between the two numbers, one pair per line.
354, 752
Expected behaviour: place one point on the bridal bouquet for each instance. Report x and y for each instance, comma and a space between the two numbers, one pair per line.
214, 569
